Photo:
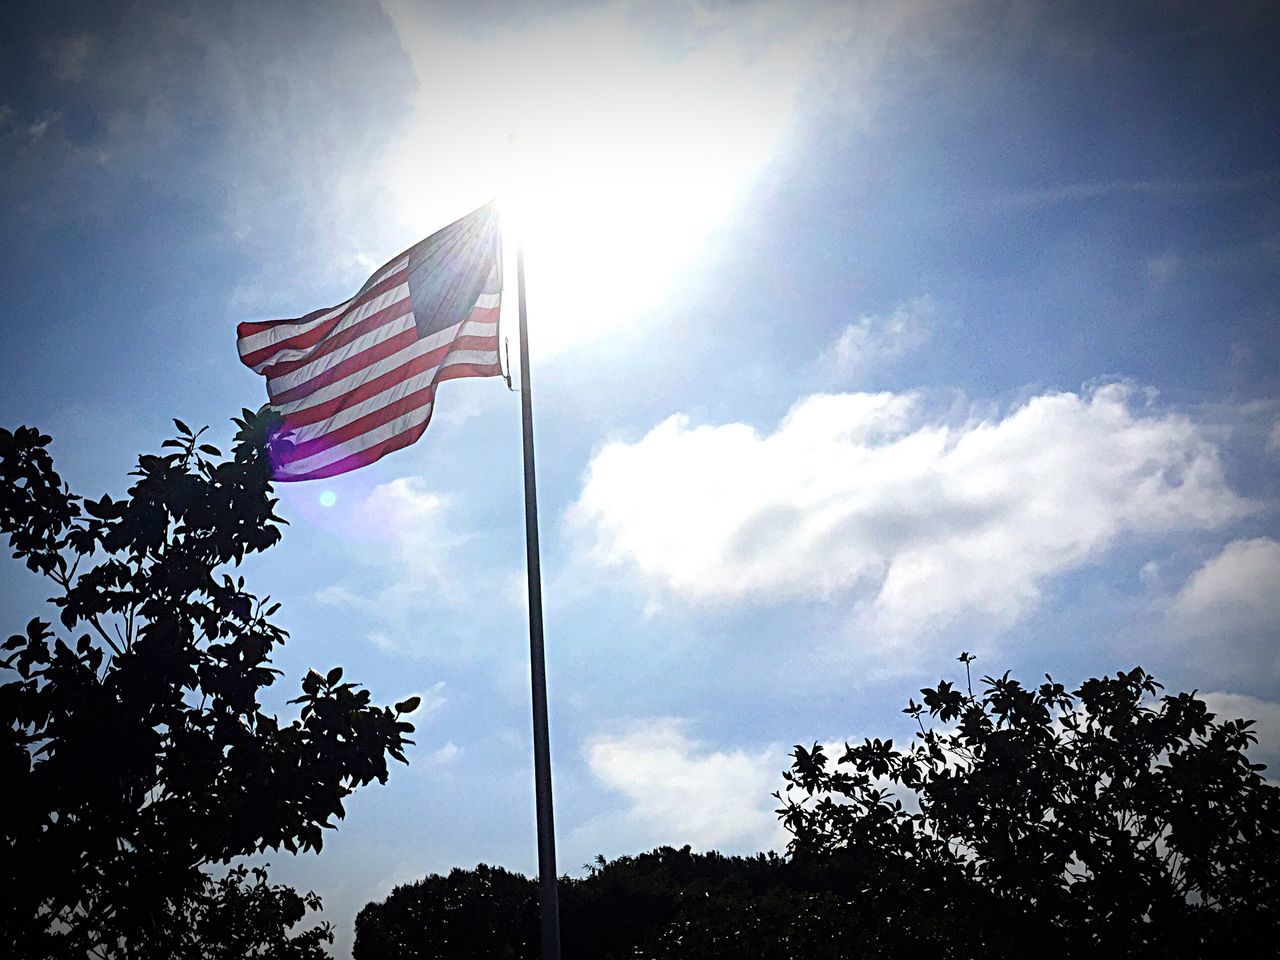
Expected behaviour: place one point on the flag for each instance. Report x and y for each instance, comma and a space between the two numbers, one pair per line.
356, 381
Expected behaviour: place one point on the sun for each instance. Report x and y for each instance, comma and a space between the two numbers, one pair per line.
627, 159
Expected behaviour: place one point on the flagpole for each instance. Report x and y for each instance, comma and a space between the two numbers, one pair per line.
548, 897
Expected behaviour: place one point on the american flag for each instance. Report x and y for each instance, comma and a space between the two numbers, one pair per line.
357, 381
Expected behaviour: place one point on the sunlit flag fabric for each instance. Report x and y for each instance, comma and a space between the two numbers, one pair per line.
357, 381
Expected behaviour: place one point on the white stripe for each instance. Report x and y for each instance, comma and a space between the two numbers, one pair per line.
487, 301
356, 444
353, 381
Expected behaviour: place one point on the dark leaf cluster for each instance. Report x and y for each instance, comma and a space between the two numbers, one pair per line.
663, 905
1110, 818
135, 749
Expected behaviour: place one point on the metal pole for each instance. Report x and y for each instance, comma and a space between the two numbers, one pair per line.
548, 896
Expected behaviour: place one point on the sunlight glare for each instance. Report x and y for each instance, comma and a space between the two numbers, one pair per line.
629, 156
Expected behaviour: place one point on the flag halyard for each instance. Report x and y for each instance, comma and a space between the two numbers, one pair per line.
357, 381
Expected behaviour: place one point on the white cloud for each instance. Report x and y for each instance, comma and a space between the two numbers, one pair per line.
443, 756
1273, 439
1150, 575
1235, 593
683, 791
933, 520
1238, 706
37, 130
876, 339
335, 595
432, 701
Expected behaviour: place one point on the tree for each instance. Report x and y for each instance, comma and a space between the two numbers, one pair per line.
1033, 821
483, 914
1038, 820
668, 903
136, 751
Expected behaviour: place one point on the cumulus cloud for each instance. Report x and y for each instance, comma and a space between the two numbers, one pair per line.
1233, 593
872, 496
682, 790
875, 339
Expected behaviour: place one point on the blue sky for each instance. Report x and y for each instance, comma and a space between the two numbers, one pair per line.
863, 334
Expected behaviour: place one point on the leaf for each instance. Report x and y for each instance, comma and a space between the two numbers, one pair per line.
409, 705
175, 714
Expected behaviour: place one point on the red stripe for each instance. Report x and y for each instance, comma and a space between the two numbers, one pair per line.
313, 336
344, 368
364, 457
385, 381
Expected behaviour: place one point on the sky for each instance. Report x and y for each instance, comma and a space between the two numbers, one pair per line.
862, 334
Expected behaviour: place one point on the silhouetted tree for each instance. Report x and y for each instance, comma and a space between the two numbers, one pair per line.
483, 913
1039, 821
666, 903
673, 903
1107, 821
135, 752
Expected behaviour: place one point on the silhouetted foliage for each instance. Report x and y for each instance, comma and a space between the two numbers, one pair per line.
481, 913
1041, 821
135, 752
667, 903
1035, 822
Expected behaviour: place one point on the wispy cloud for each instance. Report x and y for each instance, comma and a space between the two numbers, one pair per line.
432, 701
1041, 196
872, 498
877, 339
